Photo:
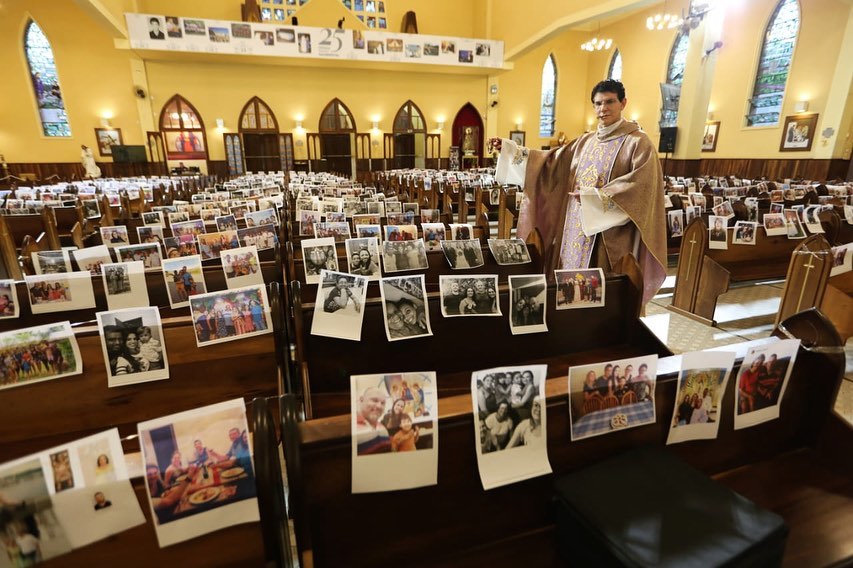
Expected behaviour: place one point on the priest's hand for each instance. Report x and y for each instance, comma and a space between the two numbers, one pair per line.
495, 143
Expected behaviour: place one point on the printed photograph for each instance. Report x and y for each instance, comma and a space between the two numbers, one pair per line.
231, 314
199, 464
793, 226
744, 233
434, 233
528, 298
461, 232
226, 223
30, 532
51, 261
395, 233
698, 200
180, 246
49, 289
262, 237
366, 219
339, 307
367, 231
724, 209
812, 221
178, 217
404, 306
307, 219
188, 229
761, 383
148, 254
153, 218
150, 234
38, 354
133, 346
463, 254
580, 288
337, 230
676, 223
774, 224
114, 236
692, 212
363, 257
125, 285
184, 277
318, 255
9, 307
469, 295
91, 208
400, 256
430, 215
610, 396
211, 245
509, 251
260, 218
701, 386
718, 234
60, 465
242, 267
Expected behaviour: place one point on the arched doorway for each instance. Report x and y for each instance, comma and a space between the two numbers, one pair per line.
183, 133
259, 128
409, 137
469, 142
337, 138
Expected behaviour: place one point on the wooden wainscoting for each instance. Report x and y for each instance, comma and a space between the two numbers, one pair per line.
771, 168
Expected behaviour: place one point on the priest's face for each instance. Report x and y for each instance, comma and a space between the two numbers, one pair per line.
608, 108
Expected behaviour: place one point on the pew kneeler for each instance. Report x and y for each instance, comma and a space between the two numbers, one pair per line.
647, 508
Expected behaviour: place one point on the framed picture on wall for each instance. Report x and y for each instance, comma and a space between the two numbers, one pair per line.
709, 139
798, 133
108, 137
517, 136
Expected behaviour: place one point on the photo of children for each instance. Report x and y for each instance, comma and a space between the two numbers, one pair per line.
184, 278
8, 299
133, 347
701, 385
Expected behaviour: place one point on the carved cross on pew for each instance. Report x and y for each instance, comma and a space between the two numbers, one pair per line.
806, 280
808, 268
690, 256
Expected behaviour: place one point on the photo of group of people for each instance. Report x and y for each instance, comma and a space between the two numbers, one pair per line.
124, 284
133, 347
211, 245
701, 384
510, 425
462, 254
509, 251
395, 438
762, 381
469, 296
184, 278
38, 354
401, 256
231, 314
263, 237
612, 395
580, 288
8, 299
744, 233
50, 293
242, 267
434, 233
527, 304
404, 306
318, 255
198, 464
339, 308
91, 259
148, 254
51, 261
336, 230
114, 236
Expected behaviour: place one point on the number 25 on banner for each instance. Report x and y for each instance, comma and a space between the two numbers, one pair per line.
332, 41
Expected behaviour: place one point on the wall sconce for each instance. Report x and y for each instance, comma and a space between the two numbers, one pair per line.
220, 123
375, 125
298, 125
710, 116
105, 122
801, 106
439, 125
518, 125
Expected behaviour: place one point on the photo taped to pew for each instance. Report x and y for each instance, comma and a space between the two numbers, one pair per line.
762, 380
702, 384
91, 259
810, 214
114, 236
842, 259
774, 224
461, 231
396, 233
394, 431
463, 254
365, 231
153, 218
339, 307
242, 267
793, 225
718, 233
184, 278
180, 246
9, 307
60, 292
433, 233
363, 257
210, 245
744, 233
125, 285
263, 237
51, 261
150, 234
509, 251
402, 256
469, 295
133, 345
149, 254
612, 395
206, 456
510, 428
46, 352
318, 255
405, 307
528, 299
230, 314
580, 288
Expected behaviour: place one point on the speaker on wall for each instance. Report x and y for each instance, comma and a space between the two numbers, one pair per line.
667, 139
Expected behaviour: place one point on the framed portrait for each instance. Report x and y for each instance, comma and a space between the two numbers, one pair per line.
517, 136
709, 138
107, 138
798, 133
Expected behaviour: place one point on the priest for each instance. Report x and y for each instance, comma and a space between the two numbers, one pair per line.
596, 199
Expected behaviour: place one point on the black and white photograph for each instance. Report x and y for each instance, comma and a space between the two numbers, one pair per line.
698, 200
91, 259
405, 307
9, 307
230, 315
582, 288
133, 346
718, 234
394, 431
434, 233
91, 208
461, 231
463, 254
401, 256
184, 278
509, 251
363, 257
242, 267
469, 295
318, 255
153, 218
148, 254
812, 221
430, 215
60, 292
698, 402
744, 233
676, 223
178, 217
762, 380
124, 285
51, 261
691, 212
114, 236
510, 427
528, 298
339, 307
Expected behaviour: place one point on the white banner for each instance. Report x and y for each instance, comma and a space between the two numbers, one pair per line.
168, 33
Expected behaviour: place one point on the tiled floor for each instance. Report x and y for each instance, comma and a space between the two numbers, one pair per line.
746, 312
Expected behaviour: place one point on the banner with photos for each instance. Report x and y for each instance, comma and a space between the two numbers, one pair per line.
199, 35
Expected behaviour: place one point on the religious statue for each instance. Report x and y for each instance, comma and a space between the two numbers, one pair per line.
88, 160
469, 145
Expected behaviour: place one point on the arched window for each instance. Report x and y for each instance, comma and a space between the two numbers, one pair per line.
257, 115
548, 102
54, 120
615, 69
409, 119
765, 106
675, 76
183, 130
336, 117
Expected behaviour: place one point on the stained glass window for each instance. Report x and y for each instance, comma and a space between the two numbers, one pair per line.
675, 75
257, 115
549, 98
183, 130
615, 70
54, 120
336, 117
409, 119
765, 106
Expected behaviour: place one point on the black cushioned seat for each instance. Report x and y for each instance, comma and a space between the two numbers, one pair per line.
647, 508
